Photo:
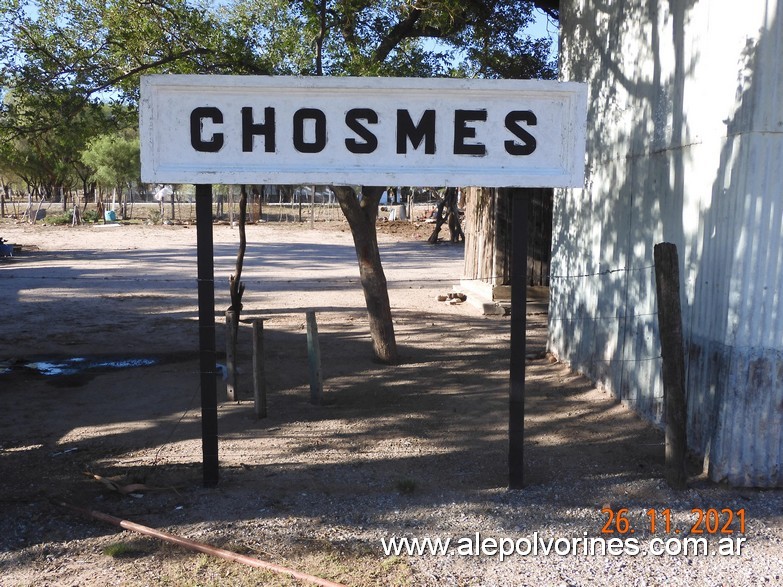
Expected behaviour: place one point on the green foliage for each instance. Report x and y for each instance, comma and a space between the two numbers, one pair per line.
91, 216
41, 141
154, 215
396, 37
59, 219
96, 49
114, 159
118, 550
80, 52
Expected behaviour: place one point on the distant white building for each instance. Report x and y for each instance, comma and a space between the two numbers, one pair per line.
685, 145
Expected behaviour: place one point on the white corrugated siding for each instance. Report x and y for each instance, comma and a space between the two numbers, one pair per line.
685, 144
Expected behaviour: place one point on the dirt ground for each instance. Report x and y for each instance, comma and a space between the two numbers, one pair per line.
99, 390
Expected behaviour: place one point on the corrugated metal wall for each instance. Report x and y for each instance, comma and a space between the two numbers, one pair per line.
685, 144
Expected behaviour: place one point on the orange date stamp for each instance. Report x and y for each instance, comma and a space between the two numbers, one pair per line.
702, 521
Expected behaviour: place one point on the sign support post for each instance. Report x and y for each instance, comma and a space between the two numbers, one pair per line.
361, 131
516, 403
206, 333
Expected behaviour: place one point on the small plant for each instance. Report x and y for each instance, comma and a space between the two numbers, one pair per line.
91, 216
154, 216
59, 219
119, 550
406, 486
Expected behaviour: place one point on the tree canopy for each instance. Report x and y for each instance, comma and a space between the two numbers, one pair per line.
114, 159
396, 37
61, 61
94, 50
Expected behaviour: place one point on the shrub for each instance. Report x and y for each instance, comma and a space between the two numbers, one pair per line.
154, 216
91, 216
59, 219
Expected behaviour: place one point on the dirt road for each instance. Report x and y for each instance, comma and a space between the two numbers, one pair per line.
417, 449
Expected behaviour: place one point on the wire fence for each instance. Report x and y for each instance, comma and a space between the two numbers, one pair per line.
622, 326
293, 207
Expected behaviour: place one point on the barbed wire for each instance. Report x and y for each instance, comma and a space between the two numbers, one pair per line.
175, 427
636, 360
605, 272
620, 317
346, 280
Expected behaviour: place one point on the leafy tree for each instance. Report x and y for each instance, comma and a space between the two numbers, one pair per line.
114, 160
41, 140
395, 37
71, 54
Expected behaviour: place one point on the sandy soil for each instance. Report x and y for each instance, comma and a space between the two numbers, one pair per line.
414, 449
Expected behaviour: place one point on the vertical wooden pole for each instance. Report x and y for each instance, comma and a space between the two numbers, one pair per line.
516, 406
667, 283
259, 374
231, 348
314, 359
206, 329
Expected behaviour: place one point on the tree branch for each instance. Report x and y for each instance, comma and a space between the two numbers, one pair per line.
550, 7
397, 33
147, 66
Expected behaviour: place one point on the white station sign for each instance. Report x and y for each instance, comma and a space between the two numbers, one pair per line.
362, 131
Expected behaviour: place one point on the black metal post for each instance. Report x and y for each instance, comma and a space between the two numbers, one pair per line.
206, 331
516, 404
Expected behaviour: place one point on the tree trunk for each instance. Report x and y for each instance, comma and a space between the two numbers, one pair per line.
361, 216
444, 207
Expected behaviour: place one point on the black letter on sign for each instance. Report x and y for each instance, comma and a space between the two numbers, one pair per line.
352, 118
251, 129
320, 130
407, 130
197, 126
462, 132
528, 144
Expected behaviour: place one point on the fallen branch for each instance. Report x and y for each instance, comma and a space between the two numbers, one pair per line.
126, 489
201, 547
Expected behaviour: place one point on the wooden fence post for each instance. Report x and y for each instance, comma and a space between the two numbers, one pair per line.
314, 359
667, 281
259, 375
231, 348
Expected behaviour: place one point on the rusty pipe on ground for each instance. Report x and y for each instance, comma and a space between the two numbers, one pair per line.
201, 547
